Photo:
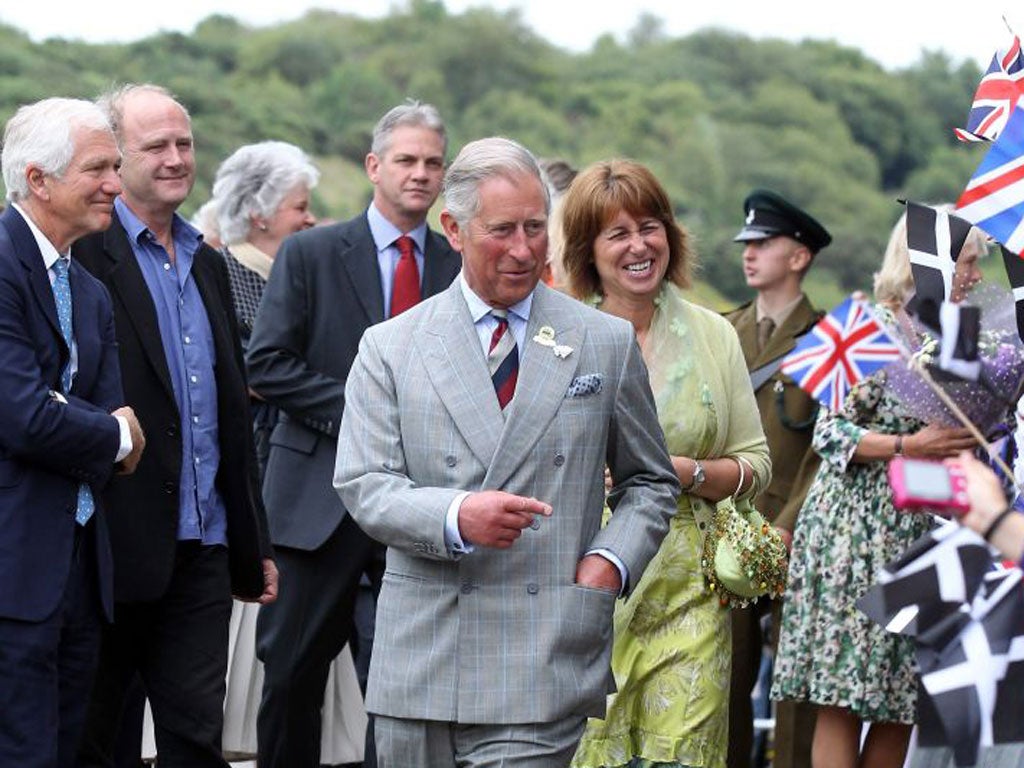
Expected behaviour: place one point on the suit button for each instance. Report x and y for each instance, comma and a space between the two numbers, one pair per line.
169, 488
451, 461
533, 589
535, 524
559, 459
467, 588
172, 430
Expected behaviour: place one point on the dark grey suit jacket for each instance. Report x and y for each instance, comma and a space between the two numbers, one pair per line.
323, 292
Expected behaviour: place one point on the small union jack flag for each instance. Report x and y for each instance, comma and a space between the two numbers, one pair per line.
998, 91
845, 346
994, 197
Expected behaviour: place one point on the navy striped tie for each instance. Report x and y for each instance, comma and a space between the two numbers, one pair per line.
503, 359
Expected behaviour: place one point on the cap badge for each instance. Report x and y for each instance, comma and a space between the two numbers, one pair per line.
750, 216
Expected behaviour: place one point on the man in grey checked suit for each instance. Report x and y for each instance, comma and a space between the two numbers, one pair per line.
494, 621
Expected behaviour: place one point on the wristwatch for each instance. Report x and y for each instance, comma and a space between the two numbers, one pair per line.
698, 477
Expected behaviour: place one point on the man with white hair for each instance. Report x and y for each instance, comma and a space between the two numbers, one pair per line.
474, 443
64, 429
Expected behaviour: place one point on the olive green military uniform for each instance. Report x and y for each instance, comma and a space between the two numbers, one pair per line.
787, 415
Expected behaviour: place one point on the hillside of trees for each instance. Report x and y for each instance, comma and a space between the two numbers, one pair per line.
714, 113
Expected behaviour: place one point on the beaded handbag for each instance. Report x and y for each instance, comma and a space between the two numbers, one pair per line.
742, 555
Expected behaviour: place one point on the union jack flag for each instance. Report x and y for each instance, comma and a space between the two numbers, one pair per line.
994, 197
998, 91
846, 345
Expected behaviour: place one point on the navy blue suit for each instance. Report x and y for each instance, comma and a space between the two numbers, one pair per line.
56, 576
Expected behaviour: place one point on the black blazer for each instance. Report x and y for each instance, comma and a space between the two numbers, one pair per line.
143, 508
323, 292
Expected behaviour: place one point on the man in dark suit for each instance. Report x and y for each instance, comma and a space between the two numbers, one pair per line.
187, 529
780, 243
63, 427
328, 285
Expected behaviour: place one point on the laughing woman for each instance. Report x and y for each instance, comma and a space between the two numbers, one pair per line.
625, 252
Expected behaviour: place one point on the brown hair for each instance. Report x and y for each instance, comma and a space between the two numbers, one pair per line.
598, 194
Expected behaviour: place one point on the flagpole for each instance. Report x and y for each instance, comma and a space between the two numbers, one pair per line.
950, 403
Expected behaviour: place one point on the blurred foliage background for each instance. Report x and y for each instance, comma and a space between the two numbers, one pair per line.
714, 113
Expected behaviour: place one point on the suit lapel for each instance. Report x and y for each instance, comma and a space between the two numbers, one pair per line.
27, 250
82, 308
358, 253
439, 264
746, 329
541, 387
127, 282
452, 355
206, 282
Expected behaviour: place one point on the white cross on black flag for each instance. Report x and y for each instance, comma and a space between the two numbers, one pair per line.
934, 240
1015, 274
966, 614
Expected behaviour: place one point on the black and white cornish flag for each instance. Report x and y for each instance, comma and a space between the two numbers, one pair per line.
966, 614
934, 241
1015, 274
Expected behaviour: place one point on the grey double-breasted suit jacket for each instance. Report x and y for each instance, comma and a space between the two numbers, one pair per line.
500, 636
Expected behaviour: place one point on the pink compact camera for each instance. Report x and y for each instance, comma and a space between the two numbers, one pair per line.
928, 485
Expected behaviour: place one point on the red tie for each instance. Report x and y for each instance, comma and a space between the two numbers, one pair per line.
405, 291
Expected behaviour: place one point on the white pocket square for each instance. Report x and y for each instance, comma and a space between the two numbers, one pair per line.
588, 384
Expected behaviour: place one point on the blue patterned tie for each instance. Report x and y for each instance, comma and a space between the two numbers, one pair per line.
62, 295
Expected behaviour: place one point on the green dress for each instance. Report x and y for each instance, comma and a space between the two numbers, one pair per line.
829, 652
672, 652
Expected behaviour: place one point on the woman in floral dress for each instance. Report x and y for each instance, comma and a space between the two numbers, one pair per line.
625, 252
830, 653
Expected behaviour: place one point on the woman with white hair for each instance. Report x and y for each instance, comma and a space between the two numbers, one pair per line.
261, 195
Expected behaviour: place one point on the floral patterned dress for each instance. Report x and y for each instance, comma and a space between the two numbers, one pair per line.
829, 652
672, 652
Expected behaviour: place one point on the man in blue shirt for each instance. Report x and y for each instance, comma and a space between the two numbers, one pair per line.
188, 529
328, 285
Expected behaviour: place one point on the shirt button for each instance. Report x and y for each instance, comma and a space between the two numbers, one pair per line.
532, 589
195, 419
559, 459
188, 339
193, 379
451, 461
197, 459
535, 525
167, 267
467, 588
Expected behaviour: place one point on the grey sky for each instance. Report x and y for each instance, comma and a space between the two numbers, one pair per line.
893, 33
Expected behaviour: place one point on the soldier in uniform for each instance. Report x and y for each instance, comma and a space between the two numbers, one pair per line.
780, 243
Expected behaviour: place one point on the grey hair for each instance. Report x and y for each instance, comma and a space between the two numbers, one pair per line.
254, 180
414, 114
112, 103
42, 134
481, 160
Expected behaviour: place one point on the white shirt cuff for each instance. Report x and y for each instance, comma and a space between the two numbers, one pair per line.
452, 538
126, 439
612, 558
